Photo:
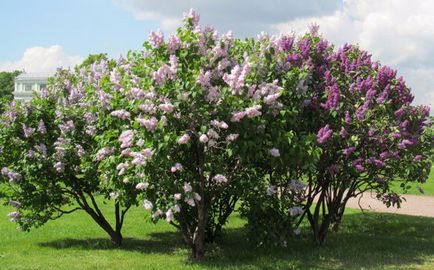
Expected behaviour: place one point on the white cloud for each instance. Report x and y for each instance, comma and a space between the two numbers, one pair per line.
42, 59
244, 17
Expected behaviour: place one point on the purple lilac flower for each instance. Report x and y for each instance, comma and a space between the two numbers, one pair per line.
344, 133
324, 134
417, 158
348, 151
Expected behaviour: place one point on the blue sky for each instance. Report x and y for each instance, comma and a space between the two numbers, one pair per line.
41, 35
79, 26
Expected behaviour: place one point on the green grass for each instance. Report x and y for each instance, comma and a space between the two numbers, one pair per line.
427, 187
369, 241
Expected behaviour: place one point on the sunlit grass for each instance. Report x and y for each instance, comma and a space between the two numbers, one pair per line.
373, 240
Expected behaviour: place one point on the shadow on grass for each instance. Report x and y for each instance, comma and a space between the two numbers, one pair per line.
364, 241
165, 242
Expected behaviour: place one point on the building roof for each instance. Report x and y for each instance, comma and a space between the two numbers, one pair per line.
33, 76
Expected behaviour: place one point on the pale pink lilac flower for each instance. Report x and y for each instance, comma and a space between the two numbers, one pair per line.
15, 204
219, 124
169, 215
173, 43
13, 176
254, 111
295, 211
149, 124
59, 166
126, 138
41, 127
28, 131
176, 208
187, 187
103, 152
113, 195
166, 107
190, 201
122, 167
275, 152
184, 139
193, 16
148, 107
236, 117
219, 178
212, 134
177, 196
14, 216
157, 213
232, 137
79, 150
147, 205
142, 186
122, 114
197, 197
156, 39
177, 167
296, 185
203, 138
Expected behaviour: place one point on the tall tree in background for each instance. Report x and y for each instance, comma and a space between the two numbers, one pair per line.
93, 58
7, 83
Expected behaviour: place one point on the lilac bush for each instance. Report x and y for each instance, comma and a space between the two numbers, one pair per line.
198, 121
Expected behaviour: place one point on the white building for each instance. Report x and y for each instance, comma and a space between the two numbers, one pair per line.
27, 83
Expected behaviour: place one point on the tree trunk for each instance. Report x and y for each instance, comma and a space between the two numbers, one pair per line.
198, 247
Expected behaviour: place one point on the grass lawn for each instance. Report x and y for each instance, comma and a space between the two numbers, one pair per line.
373, 241
428, 186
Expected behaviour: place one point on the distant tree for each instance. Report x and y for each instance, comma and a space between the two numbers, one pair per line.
93, 58
7, 83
